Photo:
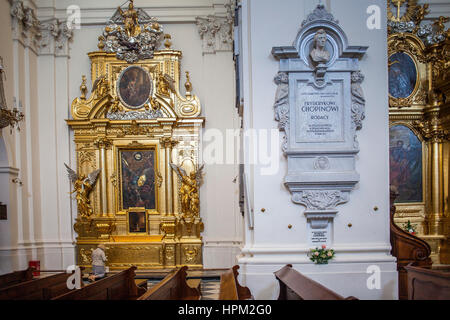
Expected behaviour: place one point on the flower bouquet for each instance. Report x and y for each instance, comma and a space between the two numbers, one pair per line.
321, 255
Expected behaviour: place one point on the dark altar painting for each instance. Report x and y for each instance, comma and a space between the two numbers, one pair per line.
405, 159
134, 87
138, 179
402, 75
137, 222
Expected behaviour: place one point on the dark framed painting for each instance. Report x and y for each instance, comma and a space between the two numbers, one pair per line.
134, 87
405, 161
3, 212
137, 221
137, 179
402, 75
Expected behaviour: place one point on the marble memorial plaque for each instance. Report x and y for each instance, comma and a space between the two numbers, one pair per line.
320, 113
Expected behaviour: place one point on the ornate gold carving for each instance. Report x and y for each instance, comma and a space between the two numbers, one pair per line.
103, 126
113, 180
432, 130
83, 88
135, 144
188, 84
159, 179
102, 143
413, 11
190, 254
83, 186
86, 157
165, 84
130, 20
189, 191
168, 142
167, 42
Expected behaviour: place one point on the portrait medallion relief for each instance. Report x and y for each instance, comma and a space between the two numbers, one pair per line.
402, 75
134, 87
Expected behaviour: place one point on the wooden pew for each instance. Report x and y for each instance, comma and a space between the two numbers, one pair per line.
39, 289
408, 249
427, 284
120, 286
173, 287
295, 286
230, 289
16, 277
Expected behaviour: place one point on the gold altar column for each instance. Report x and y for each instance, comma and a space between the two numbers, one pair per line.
168, 144
102, 144
437, 190
169, 221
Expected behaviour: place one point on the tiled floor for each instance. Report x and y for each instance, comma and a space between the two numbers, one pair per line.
209, 288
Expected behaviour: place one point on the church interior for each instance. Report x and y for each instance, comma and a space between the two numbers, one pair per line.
224, 150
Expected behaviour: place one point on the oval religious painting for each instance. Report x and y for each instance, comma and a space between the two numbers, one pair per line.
134, 87
402, 75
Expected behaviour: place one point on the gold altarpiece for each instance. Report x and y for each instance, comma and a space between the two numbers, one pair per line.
132, 127
419, 100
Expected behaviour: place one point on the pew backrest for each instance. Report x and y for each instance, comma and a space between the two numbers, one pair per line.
39, 289
173, 287
230, 289
16, 277
427, 284
120, 286
295, 286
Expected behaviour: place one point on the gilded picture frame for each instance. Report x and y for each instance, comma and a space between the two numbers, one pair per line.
138, 180
424, 164
137, 221
134, 87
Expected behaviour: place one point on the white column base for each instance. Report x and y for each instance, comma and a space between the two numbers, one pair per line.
347, 274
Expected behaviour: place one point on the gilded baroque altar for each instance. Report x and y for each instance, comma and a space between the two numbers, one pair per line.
419, 101
139, 137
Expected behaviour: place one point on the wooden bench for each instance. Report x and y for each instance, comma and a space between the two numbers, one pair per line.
295, 286
230, 289
427, 284
39, 289
173, 287
408, 249
120, 286
16, 277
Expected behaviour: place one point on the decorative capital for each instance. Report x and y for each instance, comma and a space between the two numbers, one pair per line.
432, 131
216, 31
168, 142
102, 143
49, 37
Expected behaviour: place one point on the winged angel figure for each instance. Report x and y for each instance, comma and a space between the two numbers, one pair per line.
83, 186
190, 201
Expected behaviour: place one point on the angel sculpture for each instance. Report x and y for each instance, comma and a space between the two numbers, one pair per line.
190, 201
83, 186
165, 84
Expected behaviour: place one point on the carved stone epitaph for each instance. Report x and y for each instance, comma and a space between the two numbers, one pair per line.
320, 105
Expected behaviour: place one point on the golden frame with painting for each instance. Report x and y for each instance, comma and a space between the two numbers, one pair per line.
139, 179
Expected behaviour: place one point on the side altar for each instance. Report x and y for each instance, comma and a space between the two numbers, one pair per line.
137, 141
